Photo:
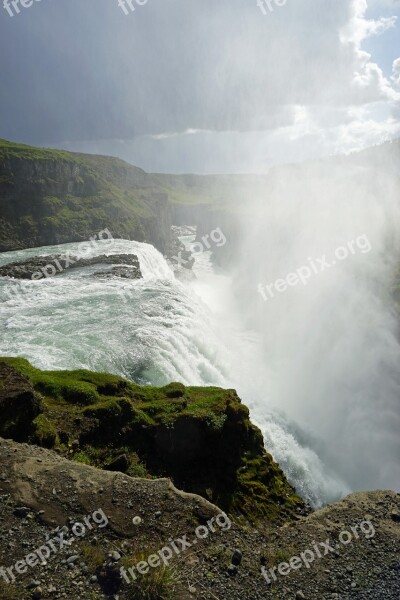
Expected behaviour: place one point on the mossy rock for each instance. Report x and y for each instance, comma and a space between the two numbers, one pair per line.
45, 433
200, 437
174, 390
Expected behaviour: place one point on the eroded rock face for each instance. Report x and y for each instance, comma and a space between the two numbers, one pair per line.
39, 267
18, 403
50, 197
85, 488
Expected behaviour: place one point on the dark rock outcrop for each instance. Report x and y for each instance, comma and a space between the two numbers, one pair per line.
19, 404
49, 266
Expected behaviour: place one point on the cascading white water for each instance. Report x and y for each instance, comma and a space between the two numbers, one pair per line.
317, 364
154, 330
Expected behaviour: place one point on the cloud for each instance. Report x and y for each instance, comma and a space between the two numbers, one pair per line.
396, 72
76, 70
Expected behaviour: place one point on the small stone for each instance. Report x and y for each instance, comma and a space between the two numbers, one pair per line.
300, 595
115, 556
72, 559
232, 570
21, 511
33, 584
237, 557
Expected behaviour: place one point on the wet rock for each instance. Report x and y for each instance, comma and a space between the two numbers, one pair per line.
122, 272
39, 267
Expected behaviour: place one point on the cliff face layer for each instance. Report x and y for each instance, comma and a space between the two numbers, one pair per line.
53, 196
49, 197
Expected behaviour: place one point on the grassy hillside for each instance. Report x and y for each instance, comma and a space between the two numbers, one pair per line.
52, 196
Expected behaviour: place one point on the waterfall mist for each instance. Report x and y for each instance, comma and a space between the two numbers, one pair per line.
325, 385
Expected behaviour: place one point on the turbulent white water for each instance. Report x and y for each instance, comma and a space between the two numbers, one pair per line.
157, 332
199, 333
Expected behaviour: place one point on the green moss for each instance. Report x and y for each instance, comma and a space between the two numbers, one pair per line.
174, 390
45, 433
93, 555
200, 437
16, 150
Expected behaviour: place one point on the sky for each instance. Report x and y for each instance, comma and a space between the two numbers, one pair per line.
205, 86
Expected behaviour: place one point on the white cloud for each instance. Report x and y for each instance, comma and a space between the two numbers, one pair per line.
368, 81
396, 72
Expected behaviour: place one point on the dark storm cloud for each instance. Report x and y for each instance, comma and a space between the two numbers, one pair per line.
82, 70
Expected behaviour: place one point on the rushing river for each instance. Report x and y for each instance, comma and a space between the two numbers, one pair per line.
153, 330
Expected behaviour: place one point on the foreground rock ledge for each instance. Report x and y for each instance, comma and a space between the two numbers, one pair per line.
59, 492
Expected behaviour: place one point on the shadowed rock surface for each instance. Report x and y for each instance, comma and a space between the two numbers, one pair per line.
18, 403
55, 264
